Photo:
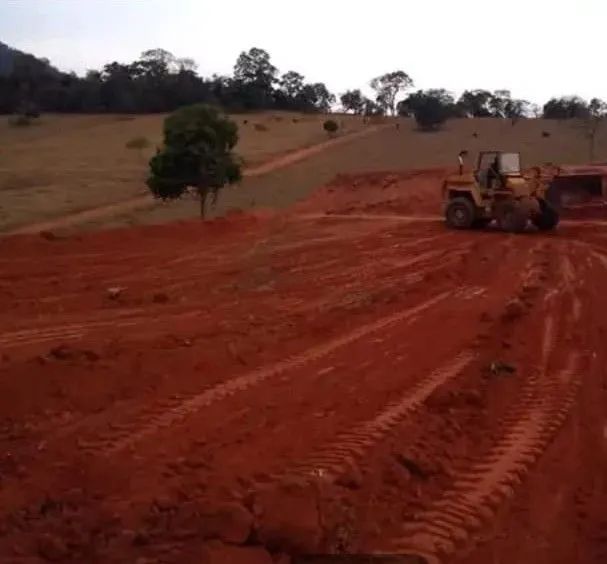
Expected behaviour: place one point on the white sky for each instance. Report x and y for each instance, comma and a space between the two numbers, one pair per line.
535, 48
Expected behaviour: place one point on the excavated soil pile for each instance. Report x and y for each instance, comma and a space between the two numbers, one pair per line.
411, 192
254, 388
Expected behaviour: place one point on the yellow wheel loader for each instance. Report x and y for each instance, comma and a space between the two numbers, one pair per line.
497, 190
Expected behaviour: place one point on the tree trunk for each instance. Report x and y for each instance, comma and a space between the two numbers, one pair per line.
202, 193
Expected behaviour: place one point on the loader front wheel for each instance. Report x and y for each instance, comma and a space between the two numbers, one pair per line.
511, 217
547, 219
460, 213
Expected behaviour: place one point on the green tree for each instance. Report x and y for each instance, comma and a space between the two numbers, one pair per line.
371, 108
353, 101
197, 153
254, 78
597, 108
388, 86
568, 107
316, 97
431, 108
476, 103
291, 83
502, 105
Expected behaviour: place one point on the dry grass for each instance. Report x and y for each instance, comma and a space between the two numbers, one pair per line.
390, 149
68, 163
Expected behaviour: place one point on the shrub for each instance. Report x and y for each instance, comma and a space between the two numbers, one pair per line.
330, 126
20, 120
260, 127
138, 143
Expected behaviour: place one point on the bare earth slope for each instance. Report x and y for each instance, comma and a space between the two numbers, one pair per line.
354, 381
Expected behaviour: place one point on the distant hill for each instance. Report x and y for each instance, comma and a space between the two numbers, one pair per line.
7, 56
27, 81
11, 58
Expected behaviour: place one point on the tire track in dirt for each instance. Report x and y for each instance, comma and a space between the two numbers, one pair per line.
77, 331
334, 459
449, 524
478, 491
173, 411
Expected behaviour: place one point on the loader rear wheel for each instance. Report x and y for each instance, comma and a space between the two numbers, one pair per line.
460, 213
511, 217
548, 217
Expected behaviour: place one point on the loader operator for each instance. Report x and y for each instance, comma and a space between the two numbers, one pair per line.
493, 174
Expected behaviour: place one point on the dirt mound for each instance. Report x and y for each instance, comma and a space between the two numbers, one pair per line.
410, 192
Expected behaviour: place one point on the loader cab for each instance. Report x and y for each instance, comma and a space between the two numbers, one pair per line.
494, 167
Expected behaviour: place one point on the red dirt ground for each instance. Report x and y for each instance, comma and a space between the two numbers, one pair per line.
350, 377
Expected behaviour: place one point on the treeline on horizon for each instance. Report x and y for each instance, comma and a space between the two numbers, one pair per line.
160, 82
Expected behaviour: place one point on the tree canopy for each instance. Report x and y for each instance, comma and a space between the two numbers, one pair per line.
353, 101
566, 108
431, 108
196, 153
387, 88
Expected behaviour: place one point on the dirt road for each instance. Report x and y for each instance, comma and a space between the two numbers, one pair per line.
295, 383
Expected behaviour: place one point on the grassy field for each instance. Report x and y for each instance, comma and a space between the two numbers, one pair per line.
69, 163
391, 149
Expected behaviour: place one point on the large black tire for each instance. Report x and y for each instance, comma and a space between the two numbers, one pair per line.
460, 213
481, 222
547, 219
554, 197
511, 217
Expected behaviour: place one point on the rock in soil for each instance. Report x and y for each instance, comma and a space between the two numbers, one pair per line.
230, 522
287, 517
351, 478
514, 309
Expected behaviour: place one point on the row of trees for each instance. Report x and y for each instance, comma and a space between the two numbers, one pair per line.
159, 82
432, 107
156, 82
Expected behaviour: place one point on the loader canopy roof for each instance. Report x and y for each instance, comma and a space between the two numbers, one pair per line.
509, 163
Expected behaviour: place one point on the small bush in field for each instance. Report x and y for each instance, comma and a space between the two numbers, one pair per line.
138, 144
260, 127
330, 126
20, 120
